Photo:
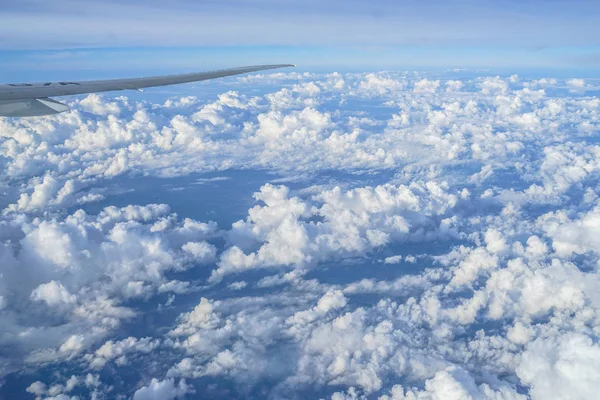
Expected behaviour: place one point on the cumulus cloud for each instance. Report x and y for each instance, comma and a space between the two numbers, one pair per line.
575, 83
93, 103
579, 235
118, 350
453, 383
79, 270
435, 242
351, 223
53, 293
428, 86
561, 367
162, 390
393, 259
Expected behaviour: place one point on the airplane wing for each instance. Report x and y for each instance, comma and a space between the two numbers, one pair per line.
33, 99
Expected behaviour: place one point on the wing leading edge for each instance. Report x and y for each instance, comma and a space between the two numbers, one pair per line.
32, 99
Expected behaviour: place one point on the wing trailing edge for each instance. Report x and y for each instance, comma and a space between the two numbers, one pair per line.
33, 99
20, 91
31, 107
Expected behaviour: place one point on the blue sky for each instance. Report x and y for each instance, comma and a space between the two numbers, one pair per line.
117, 37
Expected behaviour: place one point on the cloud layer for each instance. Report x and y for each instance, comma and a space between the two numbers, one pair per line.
422, 236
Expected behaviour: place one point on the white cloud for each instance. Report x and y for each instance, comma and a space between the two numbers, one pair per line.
569, 236
393, 259
493, 85
379, 85
561, 367
427, 86
238, 285
203, 316
332, 300
80, 268
353, 223
53, 293
162, 390
483, 191
110, 350
453, 86
495, 242
38, 388
575, 83
203, 252
93, 103
453, 384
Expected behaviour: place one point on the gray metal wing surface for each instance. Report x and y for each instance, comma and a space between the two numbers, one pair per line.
33, 99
